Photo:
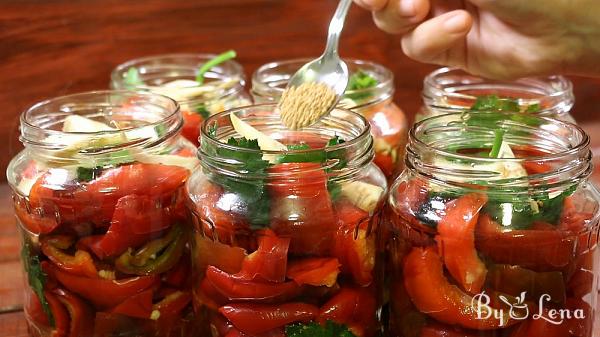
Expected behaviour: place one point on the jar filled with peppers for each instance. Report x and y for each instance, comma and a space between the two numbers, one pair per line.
286, 235
370, 92
202, 84
448, 90
492, 230
99, 197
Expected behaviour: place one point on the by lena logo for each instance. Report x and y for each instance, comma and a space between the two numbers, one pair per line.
515, 308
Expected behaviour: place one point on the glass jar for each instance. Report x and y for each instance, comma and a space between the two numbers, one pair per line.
174, 75
501, 245
388, 123
448, 90
286, 240
99, 197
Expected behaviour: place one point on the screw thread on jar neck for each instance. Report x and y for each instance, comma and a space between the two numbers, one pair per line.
139, 120
448, 90
270, 80
349, 126
452, 150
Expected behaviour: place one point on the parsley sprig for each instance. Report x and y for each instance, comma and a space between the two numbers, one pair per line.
312, 329
36, 278
228, 55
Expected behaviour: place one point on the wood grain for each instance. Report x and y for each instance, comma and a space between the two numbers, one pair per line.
55, 47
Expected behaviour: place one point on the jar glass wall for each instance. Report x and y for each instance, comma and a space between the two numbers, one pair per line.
174, 75
371, 95
500, 245
286, 240
448, 90
99, 197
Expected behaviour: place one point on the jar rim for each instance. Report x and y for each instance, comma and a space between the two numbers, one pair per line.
235, 70
262, 86
558, 96
361, 140
33, 133
575, 154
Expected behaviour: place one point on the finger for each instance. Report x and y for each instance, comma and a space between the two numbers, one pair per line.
400, 16
372, 5
440, 39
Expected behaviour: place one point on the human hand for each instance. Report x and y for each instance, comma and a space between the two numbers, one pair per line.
499, 39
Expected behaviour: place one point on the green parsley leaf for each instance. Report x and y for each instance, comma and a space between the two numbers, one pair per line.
88, 174
116, 158
533, 108
36, 277
132, 78
498, 138
495, 103
228, 55
312, 329
202, 111
358, 81
308, 157
252, 191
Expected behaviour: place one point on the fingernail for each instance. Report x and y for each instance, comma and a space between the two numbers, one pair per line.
456, 23
407, 8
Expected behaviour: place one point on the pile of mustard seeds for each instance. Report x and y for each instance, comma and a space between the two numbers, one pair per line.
305, 104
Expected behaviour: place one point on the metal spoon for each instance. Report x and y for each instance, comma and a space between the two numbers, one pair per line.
328, 69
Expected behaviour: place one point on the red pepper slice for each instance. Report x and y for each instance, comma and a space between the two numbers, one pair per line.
353, 306
539, 250
220, 217
173, 304
314, 271
259, 318
142, 214
237, 289
514, 280
60, 315
354, 246
208, 296
269, 261
82, 316
178, 276
121, 234
103, 293
433, 295
80, 264
456, 241
214, 253
301, 207
439, 330
33, 222
541, 328
138, 305
409, 196
191, 126
34, 309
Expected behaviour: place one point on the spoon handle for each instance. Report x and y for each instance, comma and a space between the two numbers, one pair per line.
335, 27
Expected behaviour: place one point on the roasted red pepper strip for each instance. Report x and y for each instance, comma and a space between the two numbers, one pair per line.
314, 271
302, 194
33, 222
269, 261
259, 318
354, 307
354, 246
433, 295
178, 276
173, 303
82, 316
120, 234
156, 256
514, 280
539, 250
541, 328
34, 309
80, 264
103, 293
236, 289
60, 315
456, 241
138, 305
214, 253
